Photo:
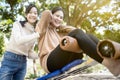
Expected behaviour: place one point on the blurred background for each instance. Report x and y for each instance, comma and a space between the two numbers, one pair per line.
99, 17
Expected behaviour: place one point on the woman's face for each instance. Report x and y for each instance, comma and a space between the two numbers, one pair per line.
32, 15
57, 18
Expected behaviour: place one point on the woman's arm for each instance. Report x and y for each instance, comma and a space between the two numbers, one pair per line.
44, 21
19, 38
32, 54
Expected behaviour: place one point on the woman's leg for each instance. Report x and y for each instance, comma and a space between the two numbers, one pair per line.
7, 68
22, 67
59, 58
10, 66
93, 38
20, 74
87, 43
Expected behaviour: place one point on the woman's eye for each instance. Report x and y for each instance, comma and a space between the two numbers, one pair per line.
33, 13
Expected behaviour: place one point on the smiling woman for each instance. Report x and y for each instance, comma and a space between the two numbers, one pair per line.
20, 46
52, 56
32, 15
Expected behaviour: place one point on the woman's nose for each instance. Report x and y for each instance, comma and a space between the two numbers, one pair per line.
59, 19
33, 14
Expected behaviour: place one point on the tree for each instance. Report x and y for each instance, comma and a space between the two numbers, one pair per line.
110, 20
78, 11
8, 13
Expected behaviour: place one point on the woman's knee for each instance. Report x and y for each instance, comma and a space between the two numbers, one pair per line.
76, 31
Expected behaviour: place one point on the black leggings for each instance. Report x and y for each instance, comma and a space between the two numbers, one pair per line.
88, 43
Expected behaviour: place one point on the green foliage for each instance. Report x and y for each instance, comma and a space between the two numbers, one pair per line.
8, 13
113, 35
5, 27
86, 25
2, 48
78, 11
32, 76
13, 2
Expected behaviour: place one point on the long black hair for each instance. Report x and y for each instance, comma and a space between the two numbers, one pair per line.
28, 8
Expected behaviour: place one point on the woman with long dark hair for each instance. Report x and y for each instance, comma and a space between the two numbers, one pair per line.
52, 56
21, 45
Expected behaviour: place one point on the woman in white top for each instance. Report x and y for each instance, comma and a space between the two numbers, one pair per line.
21, 45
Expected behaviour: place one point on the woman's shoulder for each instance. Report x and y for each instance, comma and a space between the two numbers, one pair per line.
16, 22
